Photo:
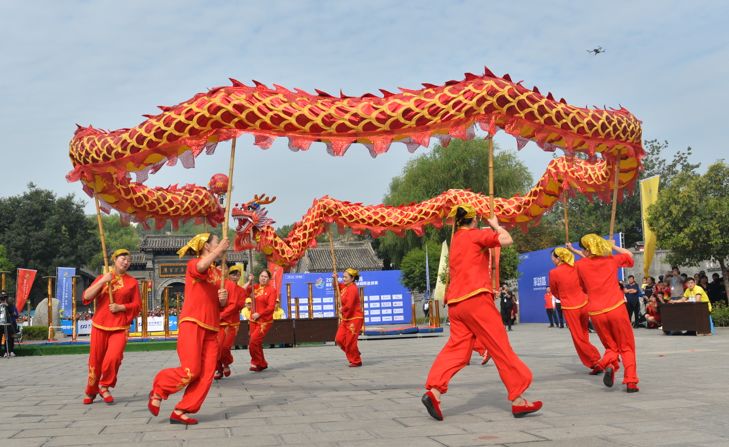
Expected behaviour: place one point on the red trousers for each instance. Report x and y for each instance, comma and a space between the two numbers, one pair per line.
616, 334
226, 338
577, 321
346, 338
197, 349
256, 333
105, 356
476, 320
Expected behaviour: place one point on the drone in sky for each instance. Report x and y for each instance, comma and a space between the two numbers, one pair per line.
596, 51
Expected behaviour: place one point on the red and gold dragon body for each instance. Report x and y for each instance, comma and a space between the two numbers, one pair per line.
103, 160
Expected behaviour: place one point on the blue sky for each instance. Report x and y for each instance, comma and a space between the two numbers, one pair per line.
108, 62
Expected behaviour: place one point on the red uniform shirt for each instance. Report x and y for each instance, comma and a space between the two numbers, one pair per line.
468, 263
548, 304
598, 278
126, 291
565, 285
265, 301
230, 314
349, 296
202, 306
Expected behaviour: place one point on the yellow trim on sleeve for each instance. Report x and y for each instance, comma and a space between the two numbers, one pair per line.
575, 307
200, 323
469, 295
603, 311
104, 328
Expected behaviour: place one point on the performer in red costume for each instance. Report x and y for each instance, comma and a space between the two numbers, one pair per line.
597, 272
264, 296
565, 285
474, 316
110, 325
352, 317
230, 321
197, 342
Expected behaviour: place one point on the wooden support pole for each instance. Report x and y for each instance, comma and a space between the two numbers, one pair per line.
613, 211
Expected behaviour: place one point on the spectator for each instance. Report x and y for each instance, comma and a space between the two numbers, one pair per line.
549, 307
278, 312
675, 282
559, 316
716, 289
246, 312
8, 325
507, 306
632, 296
652, 316
649, 283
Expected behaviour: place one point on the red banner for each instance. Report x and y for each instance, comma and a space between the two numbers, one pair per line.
24, 283
277, 272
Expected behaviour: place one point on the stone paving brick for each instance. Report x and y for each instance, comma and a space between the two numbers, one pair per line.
309, 397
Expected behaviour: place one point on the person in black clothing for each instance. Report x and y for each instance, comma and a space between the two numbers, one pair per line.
8, 325
632, 294
507, 305
716, 289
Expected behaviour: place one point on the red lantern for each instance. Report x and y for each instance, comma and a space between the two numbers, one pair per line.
218, 184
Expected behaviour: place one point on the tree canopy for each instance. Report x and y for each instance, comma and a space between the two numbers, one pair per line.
41, 231
462, 165
691, 217
594, 217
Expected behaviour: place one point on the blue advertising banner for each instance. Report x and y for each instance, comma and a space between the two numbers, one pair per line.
534, 270
386, 300
64, 289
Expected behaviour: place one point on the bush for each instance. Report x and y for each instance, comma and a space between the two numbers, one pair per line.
35, 332
720, 314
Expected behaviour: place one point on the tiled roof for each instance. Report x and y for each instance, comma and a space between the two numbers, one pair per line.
358, 255
161, 244
138, 259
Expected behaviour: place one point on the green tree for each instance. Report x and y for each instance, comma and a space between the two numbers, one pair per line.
413, 267
462, 165
594, 217
691, 217
117, 236
41, 231
7, 266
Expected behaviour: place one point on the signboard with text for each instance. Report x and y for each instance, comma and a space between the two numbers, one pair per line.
534, 270
386, 300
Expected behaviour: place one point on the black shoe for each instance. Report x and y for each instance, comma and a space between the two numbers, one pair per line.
609, 378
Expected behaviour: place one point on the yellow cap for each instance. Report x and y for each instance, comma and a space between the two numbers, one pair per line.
470, 211
120, 252
236, 268
564, 255
596, 245
195, 244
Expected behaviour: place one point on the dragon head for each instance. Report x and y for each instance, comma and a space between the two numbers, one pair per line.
252, 218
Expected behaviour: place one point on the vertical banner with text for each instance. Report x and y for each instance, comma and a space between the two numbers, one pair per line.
64, 289
24, 284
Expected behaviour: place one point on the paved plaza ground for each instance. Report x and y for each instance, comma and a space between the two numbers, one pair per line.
309, 396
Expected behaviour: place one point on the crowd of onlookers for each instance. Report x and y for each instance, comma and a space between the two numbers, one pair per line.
643, 300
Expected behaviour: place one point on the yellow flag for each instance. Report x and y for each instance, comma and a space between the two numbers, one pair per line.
648, 196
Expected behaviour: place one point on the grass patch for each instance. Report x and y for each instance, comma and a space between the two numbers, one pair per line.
83, 348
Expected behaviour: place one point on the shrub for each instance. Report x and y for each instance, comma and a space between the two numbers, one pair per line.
35, 332
720, 314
